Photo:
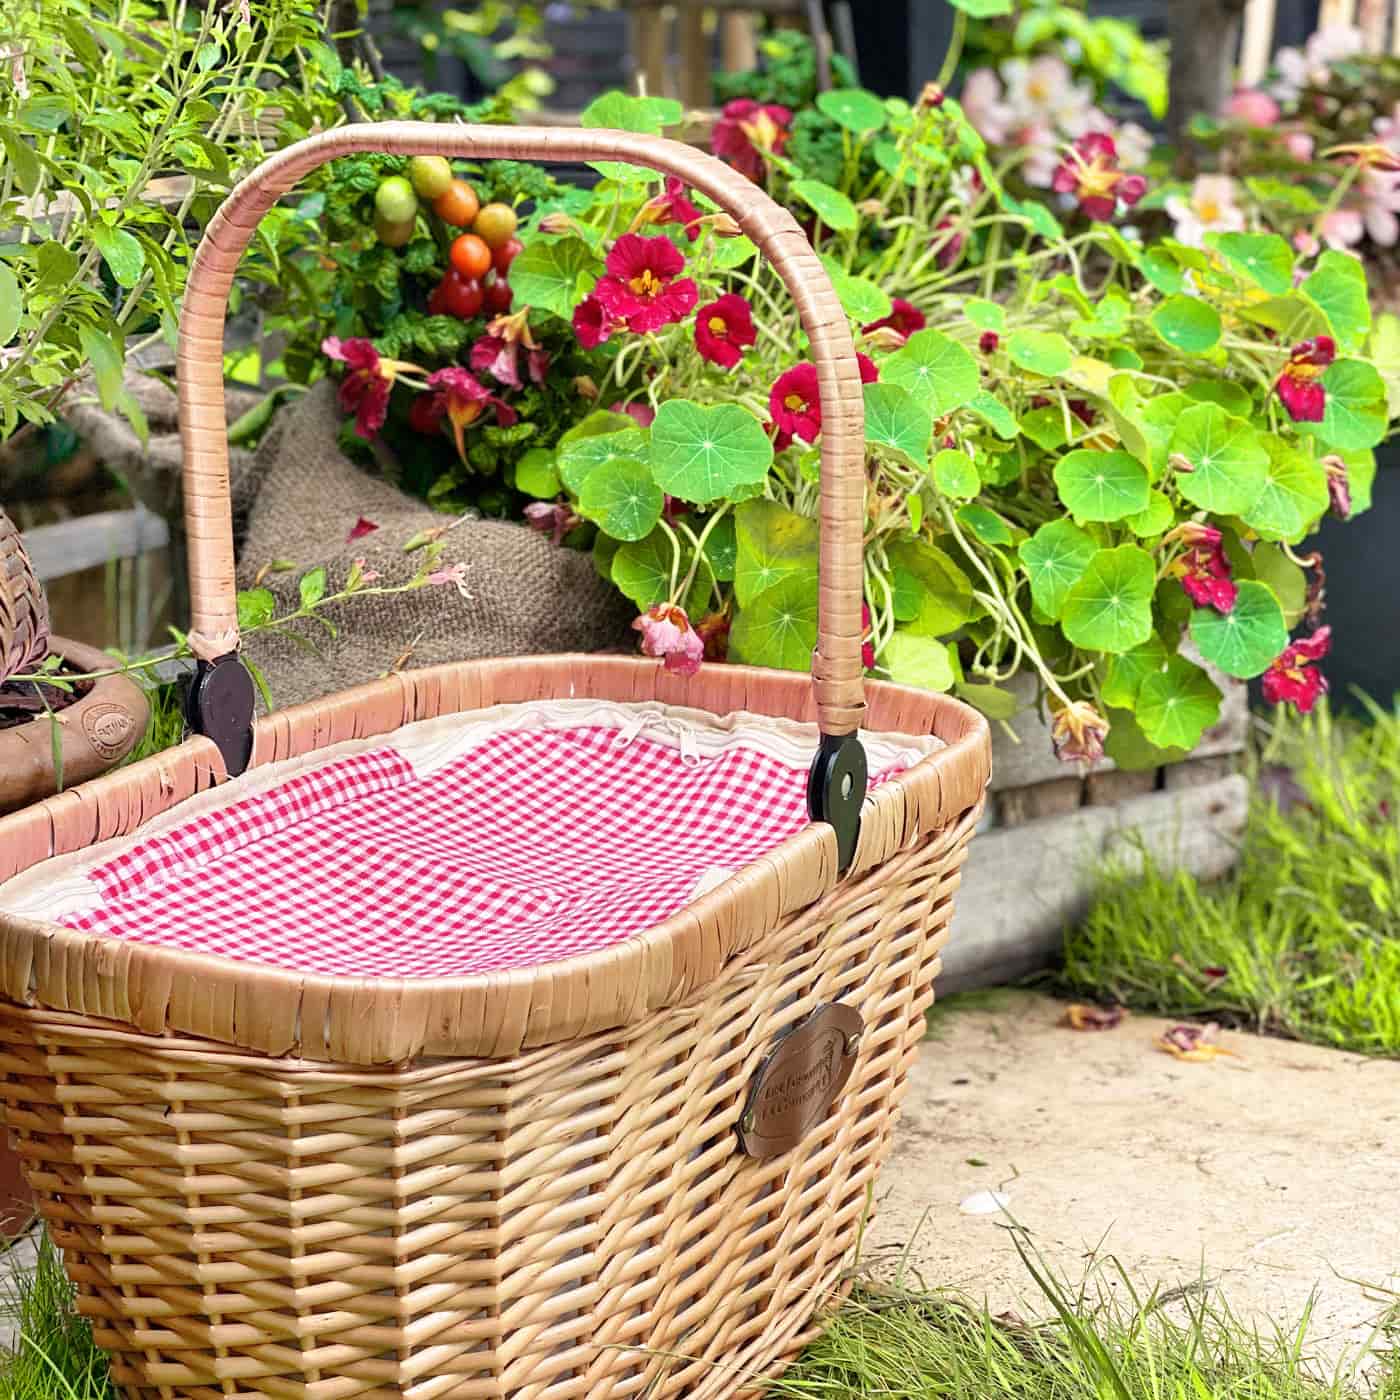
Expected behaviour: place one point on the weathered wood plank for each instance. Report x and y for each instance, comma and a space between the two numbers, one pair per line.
86, 541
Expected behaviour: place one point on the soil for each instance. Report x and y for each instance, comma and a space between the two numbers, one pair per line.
22, 701
1271, 1174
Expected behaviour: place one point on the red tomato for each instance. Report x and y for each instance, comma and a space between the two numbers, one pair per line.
470, 255
436, 305
457, 205
505, 255
498, 296
461, 296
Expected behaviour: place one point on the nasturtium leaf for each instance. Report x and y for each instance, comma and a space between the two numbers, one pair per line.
899, 164
937, 371
1290, 584
1121, 357
1294, 495
1055, 558
1361, 478
1041, 352
1243, 641
772, 542
1163, 271
931, 593
256, 607
701, 453
730, 253
1108, 320
955, 475
854, 108
105, 354
121, 252
622, 499
779, 627
1338, 289
722, 548
993, 413
896, 423
623, 112
916, 660
984, 9
605, 550
1383, 351
1155, 520
11, 307
828, 203
1110, 607
579, 456
1233, 398
1263, 258
1036, 215
1176, 705
985, 315
537, 475
1157, 418
1228, 461
641, 570
1124, 675
1046, 426
986, 525
1101, 485
1187, 323
1355, 415
554, 274
1130, 749
991, 700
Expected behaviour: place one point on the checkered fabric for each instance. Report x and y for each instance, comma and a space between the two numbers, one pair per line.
535, 845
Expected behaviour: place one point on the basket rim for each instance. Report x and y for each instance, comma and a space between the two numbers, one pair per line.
358, 1020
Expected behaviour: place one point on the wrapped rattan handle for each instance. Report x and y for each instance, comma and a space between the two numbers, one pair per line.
836, 664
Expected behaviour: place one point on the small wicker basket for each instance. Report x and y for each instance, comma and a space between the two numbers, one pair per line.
24, 610
562, 1181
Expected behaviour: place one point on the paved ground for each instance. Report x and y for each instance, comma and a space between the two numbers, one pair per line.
1276, 1173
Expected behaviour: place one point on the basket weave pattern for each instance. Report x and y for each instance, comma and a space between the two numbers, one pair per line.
24, 611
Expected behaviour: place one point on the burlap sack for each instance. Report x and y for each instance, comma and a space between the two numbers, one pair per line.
519, 592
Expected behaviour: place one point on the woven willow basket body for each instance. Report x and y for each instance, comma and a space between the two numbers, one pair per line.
526, 1184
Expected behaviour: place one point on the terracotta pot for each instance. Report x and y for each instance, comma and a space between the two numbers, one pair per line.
97, 733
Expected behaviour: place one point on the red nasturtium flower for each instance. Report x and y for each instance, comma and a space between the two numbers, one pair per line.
498, 351
641, 285
904, 318
988, 341
1077, 733
667, 633
364, 390
592, 324
867, 647
724, 330
1203, 569
463, 399
748, 130
672, 206
947, 242
641, 413
1090, 173
1292, 679
1299, 387
869, 370
795, 403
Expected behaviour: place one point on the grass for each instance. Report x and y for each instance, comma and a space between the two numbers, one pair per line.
1303, 939
166, 726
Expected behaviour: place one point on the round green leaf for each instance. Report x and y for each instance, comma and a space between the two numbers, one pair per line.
855, 109
985, 315
1229, 463
1355, 415
1101, 485
1263, 258
1155, 520
829, 204
1157, 421
955, 475
1041, 352
1294, 495
1233, 398
721, 549
703, 453
932, 595
1125, 674
1175, 706
1289, 582
1055, 558
10, 304
580, 456
642, 571
895, 422
1243, 641
536, 474
1338, 289
771, 542
993, 413
554, 274
1110, 607
1187, 323
779, 627
986, 525
860, 298
939, 373
919, 661
623, 499
1131, 749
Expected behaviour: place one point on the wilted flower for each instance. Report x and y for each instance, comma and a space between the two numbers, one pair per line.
364, 390
360, 529
585, 387
667, 633
1203, 569
593, 324
671, 206
1292, 679
554, 518
498, 351
714, 633
724, 330
1369, 155
1211, 207
931, 95
642, 286
1300, 387
1195, 1043
639, 411
747, 130
795, 402
1338, 486
947, 242
905, 318
1090, 172
463, 399
1077, 733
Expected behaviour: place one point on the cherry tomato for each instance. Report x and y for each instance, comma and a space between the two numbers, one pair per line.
505, 255
391, 234
436, 305
394, 200
461, 296
496, 224
422, 416
498, 296
430, 176
457, 205
470, 256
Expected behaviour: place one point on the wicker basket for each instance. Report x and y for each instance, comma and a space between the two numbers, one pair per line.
552, 1182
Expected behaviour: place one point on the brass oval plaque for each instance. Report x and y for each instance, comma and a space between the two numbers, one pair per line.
799, 1080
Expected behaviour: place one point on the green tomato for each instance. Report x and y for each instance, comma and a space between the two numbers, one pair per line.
394, 200
431, 175
393, 235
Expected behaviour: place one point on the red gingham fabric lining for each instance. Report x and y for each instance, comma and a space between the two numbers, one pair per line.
535, 845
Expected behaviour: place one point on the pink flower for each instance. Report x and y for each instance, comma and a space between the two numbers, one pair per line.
905, 318
1305, 243
553, 518
1291, 678
983, 106
360, 529
667, 633
1203, 569
464, 399
642, 414
1338, 486
593, 324
672, 206
1299, 145
724, 330
1077, 733
1341, 228
641, 285
947, 242
1090, 172
1299, 387
1252, 107
364, 390
1211, 207
988, 341
867, 647
746, 131
795, 403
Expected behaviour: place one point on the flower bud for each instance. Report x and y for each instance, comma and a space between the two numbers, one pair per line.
1178, 463
725, 225
557, 222
585, 388
884, 338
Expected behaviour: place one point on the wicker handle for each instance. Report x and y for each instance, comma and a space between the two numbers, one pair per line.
836, 664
